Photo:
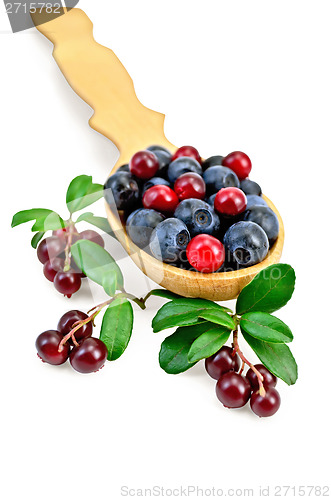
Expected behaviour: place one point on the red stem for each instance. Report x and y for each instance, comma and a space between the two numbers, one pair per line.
245, 360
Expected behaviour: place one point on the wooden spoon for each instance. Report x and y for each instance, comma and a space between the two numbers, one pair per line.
100, 79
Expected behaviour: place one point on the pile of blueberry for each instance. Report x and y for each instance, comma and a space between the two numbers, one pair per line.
51, 253
86, 354
204, 216
235, 390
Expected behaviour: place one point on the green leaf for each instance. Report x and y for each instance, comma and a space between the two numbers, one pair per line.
219, 317
166, 294
96, 263
99, 222
82, 192
36, 238
181, 312
208, 343
174, 349
109, 282
266, 327
276, 357
50, 222
270, 290
116, 328
28, 215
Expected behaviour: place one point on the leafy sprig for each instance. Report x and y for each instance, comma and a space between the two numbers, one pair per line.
204, 327
81, 193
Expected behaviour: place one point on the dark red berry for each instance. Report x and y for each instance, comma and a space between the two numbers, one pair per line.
161, 198
66, 324
190, 185
269, 380
67, 282
239, 162
52, 267
49, 248
230, 201
144, 164
233, 390
205, 253
91, 235
188, 151
89, 356
47, 345
265, 406
222, 362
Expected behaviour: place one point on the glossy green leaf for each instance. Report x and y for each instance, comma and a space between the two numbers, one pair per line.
29, 215
50, 222
36, 238
270, 290
82, 192
161, 292
266, 327
181, 312
219, 317
96, 263
208, 343
276, 357
175, 348
116, 328
99, 222
109, 282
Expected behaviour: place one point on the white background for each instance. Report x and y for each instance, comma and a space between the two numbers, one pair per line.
253, 76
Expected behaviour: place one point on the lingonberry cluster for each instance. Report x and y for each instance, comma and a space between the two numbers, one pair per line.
72, 340
54, 253
234, 389
205, 216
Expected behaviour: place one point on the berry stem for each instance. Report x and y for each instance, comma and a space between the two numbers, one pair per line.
67, 261
245, 360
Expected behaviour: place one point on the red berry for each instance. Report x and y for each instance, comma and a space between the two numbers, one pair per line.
52, 267
239, 162
63, 233
265, 406
190, 185
233, 390
49, 248
222, 362
47, 345
230, 201
66, 322
161, 198
144, 164
91, 235
205, 253
89, 356
67, 282
189, 151
269, 380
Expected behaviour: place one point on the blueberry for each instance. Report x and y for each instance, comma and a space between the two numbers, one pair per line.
181, 166
124, 168
212, 161
122, 188
255, 201
199, 217
211, 199
218, 177
250, 187
157, 147
265, 218
155, 181
246, 243
164, 156
140, 225
169, 241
